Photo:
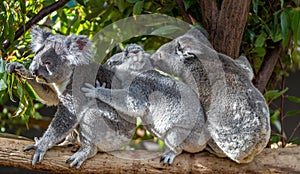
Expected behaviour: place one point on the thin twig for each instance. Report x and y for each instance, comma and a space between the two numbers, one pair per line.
44, 12
267, 67
281, 106
294, 131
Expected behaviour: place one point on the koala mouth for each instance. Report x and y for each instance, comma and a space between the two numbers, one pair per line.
40, 79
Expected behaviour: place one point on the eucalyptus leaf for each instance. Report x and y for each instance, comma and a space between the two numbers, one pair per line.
296, 25
292, 113
138, 7
255, 6
274, 94
293, 98
3, 85
260, 41
285, 27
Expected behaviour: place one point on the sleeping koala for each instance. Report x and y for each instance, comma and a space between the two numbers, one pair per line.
168, 108
237, 113
60, 66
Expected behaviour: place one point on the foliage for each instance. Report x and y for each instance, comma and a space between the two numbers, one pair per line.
269, 23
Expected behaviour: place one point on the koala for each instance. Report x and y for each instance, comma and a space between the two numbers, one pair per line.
60, 66
237, 113
168, 108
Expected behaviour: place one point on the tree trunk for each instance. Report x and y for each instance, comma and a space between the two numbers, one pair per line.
269, 161
225, 25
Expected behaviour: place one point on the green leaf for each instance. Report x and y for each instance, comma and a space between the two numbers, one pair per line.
293, 99
132, 1
3, 85
285, 27
30, 91
255, 6
273, 94
23, 6
260, 41
138, 7
10, 83
188, 3
274, 116
261, 52
296, 25
23, 106
292, 113
11, 23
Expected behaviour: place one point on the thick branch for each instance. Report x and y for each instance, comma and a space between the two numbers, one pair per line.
267, 67
226, 26
230, 27
210, 14
44, 12
269, 161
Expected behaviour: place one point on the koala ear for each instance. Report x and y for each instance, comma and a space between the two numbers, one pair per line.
38, 37
79, 48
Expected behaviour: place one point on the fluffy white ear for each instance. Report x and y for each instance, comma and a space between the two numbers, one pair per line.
79, 48
38, 37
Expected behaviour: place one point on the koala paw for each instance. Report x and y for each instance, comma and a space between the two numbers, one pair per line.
38, 154
89, 90
12, 67
77, 159
168, 157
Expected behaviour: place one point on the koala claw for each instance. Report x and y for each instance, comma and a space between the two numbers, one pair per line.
38, 154
168, 157
14, 67
76, 160
27, 148
89, 90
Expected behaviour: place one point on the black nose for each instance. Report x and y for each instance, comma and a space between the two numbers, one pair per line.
34, 73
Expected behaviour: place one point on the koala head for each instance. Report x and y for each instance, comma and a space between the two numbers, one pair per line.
175, 56
133, 58
56, 55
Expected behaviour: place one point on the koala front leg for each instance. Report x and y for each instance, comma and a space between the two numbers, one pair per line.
62, 124
116, 98
46, 94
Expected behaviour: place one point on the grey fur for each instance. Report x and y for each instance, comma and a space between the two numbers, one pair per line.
237, 113
61, 64
168, 108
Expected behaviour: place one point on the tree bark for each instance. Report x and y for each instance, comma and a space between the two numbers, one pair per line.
226, 26
269, 161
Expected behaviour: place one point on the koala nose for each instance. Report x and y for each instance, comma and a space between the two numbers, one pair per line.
34, 73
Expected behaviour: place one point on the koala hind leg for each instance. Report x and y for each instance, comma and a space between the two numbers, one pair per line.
174, 139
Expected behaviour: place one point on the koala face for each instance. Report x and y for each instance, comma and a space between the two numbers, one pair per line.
51, 64
135, 59
56, 55
176, 56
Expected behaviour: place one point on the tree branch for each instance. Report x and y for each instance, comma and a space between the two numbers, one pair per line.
278, 161
230, 27
44, 12
210, 15
267, 67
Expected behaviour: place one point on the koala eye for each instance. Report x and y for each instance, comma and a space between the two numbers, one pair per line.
47, 63
179, 48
